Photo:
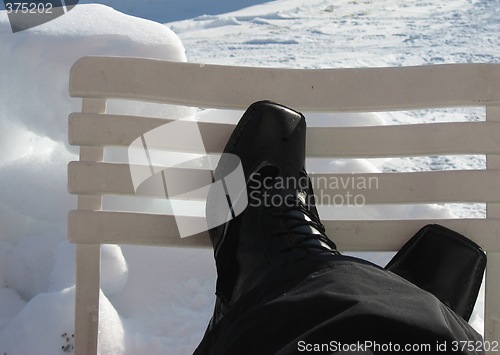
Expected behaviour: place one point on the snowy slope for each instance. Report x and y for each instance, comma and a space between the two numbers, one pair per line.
172, 10
319, 33
158, 300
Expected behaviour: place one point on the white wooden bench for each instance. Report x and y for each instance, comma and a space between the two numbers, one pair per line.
97, 79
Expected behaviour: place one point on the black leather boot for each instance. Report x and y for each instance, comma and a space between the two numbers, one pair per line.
280, 225
444, 263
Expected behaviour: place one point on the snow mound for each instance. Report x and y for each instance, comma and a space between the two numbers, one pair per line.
45, 326
114, 268
37, 264
43, 56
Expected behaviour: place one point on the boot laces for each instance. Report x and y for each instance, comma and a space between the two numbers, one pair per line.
301, 218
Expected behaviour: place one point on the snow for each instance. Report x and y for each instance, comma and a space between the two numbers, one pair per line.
346, 34
159, 300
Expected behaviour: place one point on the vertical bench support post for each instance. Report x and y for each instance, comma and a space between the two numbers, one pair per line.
492, 285
88, 259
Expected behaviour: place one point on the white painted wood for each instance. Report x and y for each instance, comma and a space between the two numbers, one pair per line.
492, 286
88, 263
370, 89
492, 295
378, 141
99, 178
88, 259
110, 227
404, 140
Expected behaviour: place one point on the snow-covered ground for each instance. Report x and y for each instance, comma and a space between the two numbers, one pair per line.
159, 300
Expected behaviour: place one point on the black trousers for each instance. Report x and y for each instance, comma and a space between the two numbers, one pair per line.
339, 304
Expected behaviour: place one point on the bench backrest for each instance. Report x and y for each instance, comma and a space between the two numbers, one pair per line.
98, 79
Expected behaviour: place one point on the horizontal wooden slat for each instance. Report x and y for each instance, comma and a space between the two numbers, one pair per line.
381, 141
91, 178
372, 89
385, 235
121, 130
94, 227
109, 130
493, 113
460, 186
405, 140
97, 178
